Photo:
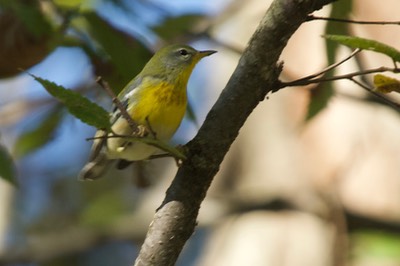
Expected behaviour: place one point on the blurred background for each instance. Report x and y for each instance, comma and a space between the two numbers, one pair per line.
313, 178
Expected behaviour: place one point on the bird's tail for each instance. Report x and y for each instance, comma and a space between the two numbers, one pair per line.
98, 161
96, 168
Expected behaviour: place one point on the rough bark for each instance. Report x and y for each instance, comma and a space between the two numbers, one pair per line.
256, 74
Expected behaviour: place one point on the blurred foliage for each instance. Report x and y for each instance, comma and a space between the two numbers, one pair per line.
35, 138
321, 95
376, 245
340, 9
31, 16
7, 167
104, 209
28, 36
117, 56
68, 4
174, 27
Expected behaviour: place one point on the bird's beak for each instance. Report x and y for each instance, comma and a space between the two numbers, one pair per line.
206, 53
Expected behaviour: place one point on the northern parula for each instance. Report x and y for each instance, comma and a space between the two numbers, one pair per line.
155, 99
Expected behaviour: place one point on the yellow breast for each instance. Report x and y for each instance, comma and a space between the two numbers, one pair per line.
162, 105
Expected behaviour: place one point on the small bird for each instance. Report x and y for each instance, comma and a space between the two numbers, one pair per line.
155, 100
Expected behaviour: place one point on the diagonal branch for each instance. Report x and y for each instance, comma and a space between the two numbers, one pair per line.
256, 75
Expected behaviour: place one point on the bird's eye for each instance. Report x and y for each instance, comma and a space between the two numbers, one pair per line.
183, 52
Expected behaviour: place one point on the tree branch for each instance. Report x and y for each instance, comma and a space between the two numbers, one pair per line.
256, 75
304, 81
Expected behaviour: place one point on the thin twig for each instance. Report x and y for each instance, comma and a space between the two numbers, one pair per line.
376, 94
311, 17
132, 124
322, 72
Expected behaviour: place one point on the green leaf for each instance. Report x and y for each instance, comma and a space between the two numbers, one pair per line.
366, 44
125, 55
7, 167
39, 136
79, 106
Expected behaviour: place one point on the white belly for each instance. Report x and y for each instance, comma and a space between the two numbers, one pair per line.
134, 150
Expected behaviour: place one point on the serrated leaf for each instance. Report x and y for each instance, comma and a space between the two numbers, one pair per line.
33, 139
7, 167
79, 106
385, 84
366, 44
